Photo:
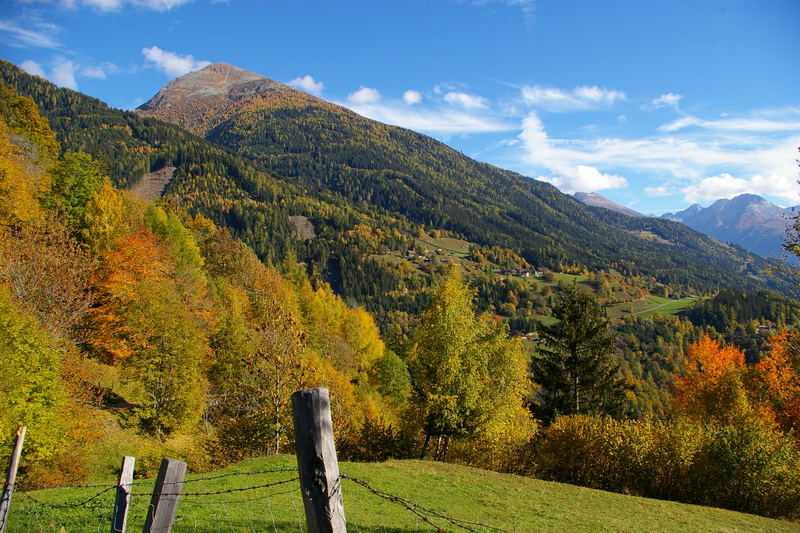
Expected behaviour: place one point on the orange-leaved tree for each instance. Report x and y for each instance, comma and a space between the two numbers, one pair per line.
142, 323
775, 381
713, 386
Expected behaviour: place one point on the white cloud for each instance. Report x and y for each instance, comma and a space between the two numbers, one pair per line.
116, 5
686, 160
666, 100
41, 35
755, 124
308, 84
99, 71
467, 101
447, 121
63, 75
580, 98
412, 97
364, 96
569, 176
32, 67
661, 190
584, 178
171, 63
727, 186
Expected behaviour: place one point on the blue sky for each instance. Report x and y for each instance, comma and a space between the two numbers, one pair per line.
653, 104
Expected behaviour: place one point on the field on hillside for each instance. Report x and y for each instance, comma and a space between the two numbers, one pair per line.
650, 306
475, 497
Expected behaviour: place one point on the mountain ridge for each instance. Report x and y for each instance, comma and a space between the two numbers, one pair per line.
329, 149
280, 159
597, 200
748, 220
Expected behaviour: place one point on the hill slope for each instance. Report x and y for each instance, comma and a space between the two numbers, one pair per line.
507, 502
296, 155
328, 148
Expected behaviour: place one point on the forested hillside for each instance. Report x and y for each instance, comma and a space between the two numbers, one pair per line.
339, 170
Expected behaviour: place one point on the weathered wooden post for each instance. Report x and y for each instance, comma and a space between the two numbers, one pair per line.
11, 478
123, 499
317, 462
164, 503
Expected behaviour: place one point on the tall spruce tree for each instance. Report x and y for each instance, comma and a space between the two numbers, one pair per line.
573, 365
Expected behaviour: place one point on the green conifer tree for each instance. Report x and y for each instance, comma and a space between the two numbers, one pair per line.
573, 365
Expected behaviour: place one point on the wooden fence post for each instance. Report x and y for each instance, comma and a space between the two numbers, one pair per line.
317, 463
11, 478
123, 499
164, 503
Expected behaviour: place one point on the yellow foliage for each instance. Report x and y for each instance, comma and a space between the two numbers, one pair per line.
21, 182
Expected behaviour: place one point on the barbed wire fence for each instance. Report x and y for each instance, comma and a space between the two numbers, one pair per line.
270, 500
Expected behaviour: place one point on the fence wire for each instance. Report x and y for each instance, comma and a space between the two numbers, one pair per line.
423, 513
427, 517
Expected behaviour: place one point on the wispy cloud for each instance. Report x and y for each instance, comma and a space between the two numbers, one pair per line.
527, 7
578, 99
171, 63
465, 100
661, 190
753, 124
100, 71
704, 163
33, 34
308, 84
62, 72
442, 121
665, 100
32, 67
107, 6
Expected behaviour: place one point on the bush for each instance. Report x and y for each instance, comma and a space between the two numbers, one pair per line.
747, 467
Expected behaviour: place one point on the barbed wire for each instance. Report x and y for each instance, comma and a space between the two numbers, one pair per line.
66, 505
38, 486
226, 491
423, 513
219, 476
420, 511
242, 500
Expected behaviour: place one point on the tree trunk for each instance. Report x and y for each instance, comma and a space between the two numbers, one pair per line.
425, 446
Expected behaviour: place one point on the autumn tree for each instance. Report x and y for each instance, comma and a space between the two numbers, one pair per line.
31, 391
464, 372
48, 273
76, 179
574, 366
775, 381
141, 322
713, 387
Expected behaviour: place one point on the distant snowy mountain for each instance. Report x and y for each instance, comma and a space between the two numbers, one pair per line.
748, 220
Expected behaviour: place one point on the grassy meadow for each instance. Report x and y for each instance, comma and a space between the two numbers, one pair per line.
505, 502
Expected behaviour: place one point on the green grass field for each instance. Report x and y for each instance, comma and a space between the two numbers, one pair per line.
455, 247
506, 502
650, 306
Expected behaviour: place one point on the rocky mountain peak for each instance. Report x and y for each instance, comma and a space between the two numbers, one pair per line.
200, 100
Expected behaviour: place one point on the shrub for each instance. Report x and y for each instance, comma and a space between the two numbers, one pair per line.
747, 466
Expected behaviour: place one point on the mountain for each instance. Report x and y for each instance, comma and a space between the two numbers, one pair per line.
272, 152
747, 220
201, 100
596, 200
